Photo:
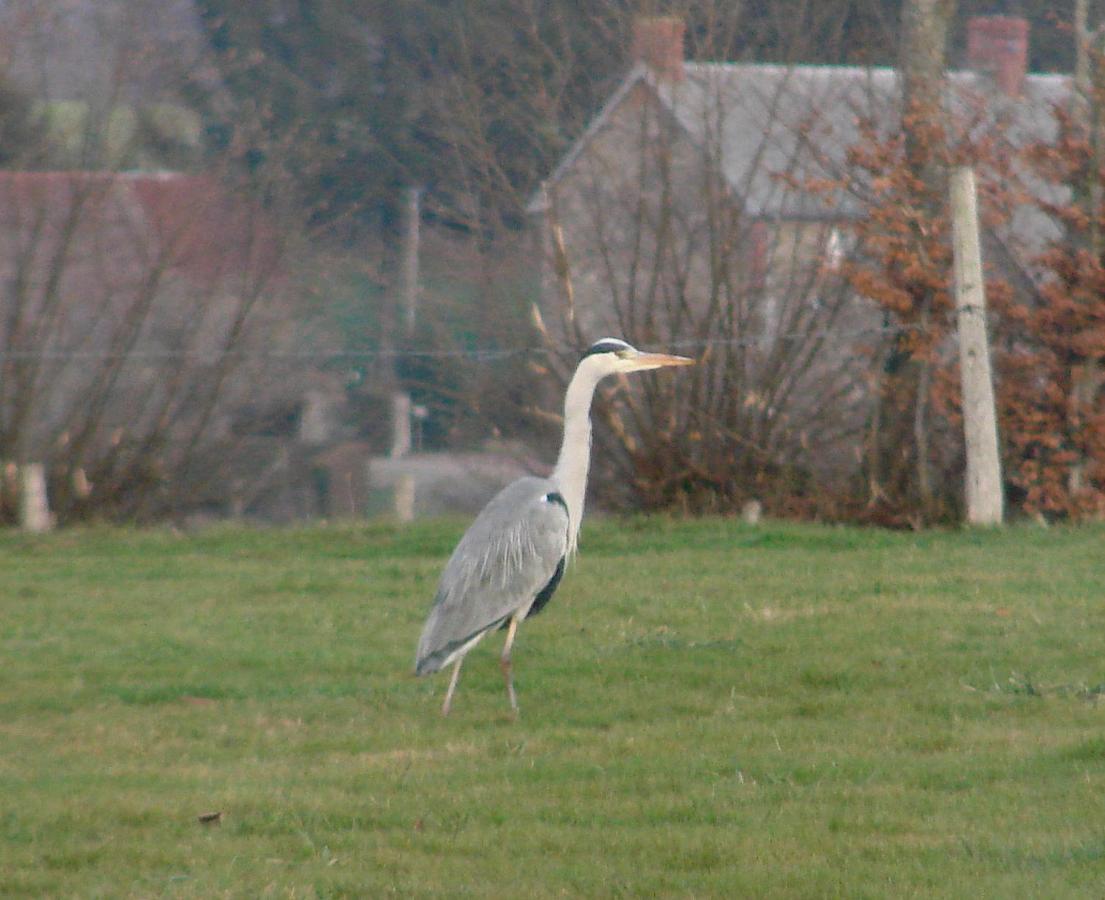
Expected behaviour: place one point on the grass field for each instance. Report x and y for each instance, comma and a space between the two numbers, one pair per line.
707, 710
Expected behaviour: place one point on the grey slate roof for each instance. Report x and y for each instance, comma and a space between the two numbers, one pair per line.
763, 120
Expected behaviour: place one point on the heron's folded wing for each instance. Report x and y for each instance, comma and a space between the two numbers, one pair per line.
505, 558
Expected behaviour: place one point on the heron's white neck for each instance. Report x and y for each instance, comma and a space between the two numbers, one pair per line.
570, 473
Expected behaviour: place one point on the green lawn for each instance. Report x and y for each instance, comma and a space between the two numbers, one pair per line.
707, 710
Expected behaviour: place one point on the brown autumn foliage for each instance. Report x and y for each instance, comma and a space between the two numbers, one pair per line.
1052, 407
903, 265
904, 268
1048, 347
913, 444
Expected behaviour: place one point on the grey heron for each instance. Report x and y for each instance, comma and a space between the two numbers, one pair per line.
510, 560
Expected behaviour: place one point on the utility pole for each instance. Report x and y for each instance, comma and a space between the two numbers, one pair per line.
412, 241
401, 399
984, 490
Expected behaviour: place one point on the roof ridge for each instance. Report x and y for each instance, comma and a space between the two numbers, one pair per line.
694, 67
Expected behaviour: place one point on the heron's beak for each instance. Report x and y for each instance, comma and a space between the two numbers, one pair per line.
647, 361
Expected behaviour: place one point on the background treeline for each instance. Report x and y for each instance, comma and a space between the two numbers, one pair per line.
476, 101
306, 125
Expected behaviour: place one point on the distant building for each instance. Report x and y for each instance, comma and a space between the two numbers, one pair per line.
684, 214
112, 285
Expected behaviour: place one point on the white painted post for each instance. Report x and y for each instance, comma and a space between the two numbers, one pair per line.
404, 498
751, 512
984, 490
400, 424
34, 506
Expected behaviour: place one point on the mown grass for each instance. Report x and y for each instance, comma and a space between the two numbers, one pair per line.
707, 710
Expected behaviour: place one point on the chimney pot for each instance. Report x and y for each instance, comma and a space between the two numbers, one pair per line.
658, 43
997, 46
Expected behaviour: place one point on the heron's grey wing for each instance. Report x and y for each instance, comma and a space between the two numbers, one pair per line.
508, 555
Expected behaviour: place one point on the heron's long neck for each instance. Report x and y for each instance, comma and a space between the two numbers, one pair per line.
575, 453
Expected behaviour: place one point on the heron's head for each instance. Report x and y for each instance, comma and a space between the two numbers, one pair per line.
610, 356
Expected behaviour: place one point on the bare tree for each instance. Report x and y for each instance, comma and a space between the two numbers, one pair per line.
138, 310
654, 232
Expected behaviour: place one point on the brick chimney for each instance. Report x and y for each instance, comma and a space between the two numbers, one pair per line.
997, 46
658, 43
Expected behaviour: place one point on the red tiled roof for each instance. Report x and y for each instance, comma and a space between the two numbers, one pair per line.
190, 224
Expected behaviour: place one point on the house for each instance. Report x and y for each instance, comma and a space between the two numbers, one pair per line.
124, 297
85, 246
684, 214
130, 302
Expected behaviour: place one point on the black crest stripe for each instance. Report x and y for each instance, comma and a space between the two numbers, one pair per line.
605, 347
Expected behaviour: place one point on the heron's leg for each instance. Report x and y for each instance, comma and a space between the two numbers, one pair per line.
506, 666
452, 686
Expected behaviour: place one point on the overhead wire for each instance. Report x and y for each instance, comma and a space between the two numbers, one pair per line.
488, 354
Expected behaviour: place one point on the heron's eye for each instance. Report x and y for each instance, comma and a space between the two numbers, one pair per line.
623, 354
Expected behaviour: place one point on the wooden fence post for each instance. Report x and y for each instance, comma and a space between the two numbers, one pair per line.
34, 506
403, 499
984, 488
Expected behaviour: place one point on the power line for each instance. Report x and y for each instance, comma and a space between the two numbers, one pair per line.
472, 354
318, 355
